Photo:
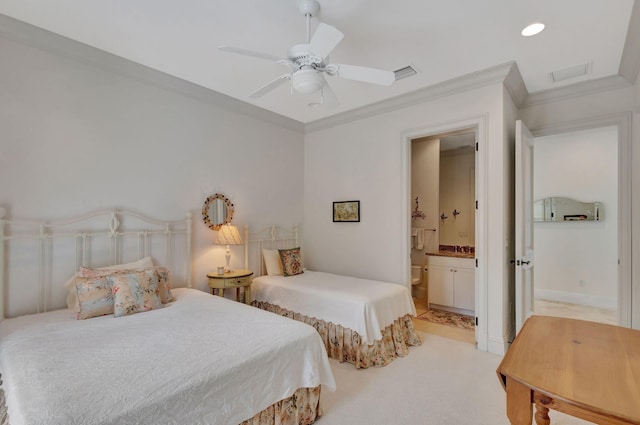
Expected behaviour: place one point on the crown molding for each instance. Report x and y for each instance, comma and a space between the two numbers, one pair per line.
474, 80
630, 62
515, 86
584, 88
50, 42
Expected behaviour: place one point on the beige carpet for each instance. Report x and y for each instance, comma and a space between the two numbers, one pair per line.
441, 382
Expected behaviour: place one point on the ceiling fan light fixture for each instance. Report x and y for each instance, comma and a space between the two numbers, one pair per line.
307, 81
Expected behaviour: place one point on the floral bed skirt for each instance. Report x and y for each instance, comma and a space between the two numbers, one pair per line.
302, 408
344, 344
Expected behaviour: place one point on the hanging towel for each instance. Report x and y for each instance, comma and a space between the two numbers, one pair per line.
420, 239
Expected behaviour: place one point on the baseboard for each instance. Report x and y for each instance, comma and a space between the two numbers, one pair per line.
575, 298
497, 346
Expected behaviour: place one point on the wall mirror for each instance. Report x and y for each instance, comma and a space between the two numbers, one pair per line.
217, 210
565, 209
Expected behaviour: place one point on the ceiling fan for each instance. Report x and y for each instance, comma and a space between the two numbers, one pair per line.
308, 62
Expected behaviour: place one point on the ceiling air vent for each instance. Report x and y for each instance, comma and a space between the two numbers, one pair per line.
405, 72
571, 72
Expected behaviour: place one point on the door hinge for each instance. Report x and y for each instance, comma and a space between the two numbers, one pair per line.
476, 262
476, 146
476, 321
476, 204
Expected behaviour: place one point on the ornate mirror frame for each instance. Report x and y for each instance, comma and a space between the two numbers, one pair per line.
209, 218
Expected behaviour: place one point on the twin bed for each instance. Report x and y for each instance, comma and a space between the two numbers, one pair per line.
361, 321
198, 359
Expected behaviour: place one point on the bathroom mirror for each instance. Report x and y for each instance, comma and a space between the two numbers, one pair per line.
217, 210
565, 209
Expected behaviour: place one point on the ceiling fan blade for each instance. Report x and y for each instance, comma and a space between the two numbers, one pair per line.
324, 40
251, 53
270, 86
368, 75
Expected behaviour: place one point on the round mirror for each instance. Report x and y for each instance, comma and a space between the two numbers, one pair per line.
217, 210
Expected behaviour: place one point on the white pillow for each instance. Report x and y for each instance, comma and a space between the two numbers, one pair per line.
72, 299
272, 262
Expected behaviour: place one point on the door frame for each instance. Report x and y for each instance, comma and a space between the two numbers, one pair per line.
480, 123
623, 122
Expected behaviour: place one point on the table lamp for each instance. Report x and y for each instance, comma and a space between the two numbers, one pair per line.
228, 235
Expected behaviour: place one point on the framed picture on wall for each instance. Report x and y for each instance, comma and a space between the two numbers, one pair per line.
346, 211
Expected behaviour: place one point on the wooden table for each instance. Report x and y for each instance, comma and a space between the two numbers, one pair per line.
235, 279
584, 369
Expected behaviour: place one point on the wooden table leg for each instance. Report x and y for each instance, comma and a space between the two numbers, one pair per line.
542, 411
247, 295
519, 407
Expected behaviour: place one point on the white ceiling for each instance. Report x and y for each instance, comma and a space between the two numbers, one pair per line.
441, 39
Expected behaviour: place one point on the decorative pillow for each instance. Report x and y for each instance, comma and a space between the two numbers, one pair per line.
72, 300
272, 262
95, 298
143, 263
162, 274
134, 293
291, 261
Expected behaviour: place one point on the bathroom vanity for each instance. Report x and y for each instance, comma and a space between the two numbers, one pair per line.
452, 282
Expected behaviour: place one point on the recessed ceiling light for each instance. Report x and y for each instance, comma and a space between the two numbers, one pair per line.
533, 29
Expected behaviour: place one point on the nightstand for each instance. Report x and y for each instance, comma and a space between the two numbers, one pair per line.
236, 279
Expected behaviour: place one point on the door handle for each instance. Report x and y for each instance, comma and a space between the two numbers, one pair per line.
525, 262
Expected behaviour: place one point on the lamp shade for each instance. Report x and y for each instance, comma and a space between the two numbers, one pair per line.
228, 235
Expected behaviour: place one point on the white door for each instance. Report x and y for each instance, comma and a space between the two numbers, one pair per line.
524, 224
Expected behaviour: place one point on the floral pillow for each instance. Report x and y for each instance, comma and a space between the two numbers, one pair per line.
159, 273
291, 261
134, 293
95, 298
162, 274
70, 285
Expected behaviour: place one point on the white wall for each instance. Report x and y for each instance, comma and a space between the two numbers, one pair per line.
577, 261
77, 136
425, 163
457, 191
363, 160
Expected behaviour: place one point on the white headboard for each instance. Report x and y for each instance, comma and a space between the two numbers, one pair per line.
38, 257
272, 237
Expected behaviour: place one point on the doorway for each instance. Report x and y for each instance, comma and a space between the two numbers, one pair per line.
576, 259
616, 165
478, 125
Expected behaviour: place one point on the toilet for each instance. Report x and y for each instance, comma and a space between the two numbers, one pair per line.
416, 275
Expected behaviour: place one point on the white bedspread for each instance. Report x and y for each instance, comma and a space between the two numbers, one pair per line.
366, 306
199, 360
